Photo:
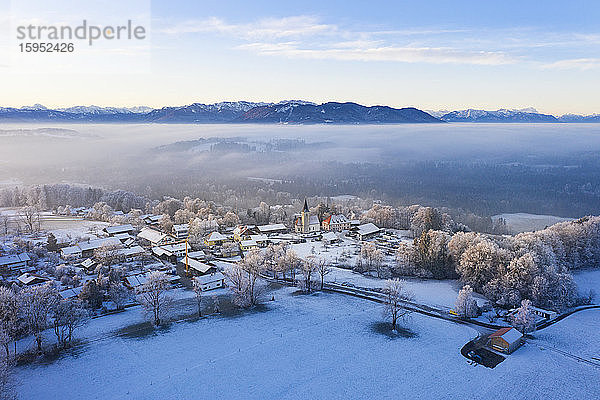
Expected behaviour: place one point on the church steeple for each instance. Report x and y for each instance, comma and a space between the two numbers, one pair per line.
305, 208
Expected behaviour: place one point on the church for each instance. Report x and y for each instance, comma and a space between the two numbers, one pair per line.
306, 223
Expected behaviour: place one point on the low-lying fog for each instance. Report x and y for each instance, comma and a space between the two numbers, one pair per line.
489, 168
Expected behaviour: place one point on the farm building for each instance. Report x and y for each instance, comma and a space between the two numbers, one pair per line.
115, 230
505, 340
273, 228
86, 249
243, 232
197, 267
246, 245
367, 231
330, 237
212, 281
28, 279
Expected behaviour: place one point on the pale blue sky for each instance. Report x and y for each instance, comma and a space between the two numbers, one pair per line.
429, 54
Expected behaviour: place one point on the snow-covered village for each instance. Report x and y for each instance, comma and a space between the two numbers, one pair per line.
319, 297
267, 200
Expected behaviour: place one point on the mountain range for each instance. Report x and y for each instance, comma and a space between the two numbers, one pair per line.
289, 111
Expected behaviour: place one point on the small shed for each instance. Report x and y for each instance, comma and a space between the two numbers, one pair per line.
505, 340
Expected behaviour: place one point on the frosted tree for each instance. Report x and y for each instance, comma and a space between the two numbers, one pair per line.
67, 315
308, 268
370, 258
36, 305
244, 279
9, 316
153, 296
524, 319
466, 306
396, 297
30, 218
119, 295
7, 384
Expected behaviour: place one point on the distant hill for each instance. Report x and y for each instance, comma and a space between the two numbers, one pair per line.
334, 113
287, 112
293, 111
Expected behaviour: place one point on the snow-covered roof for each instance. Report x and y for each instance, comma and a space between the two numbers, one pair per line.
151, 235
122, 236
329, 236
131, 251
313, 220
210, 278
338, 219
368, 229
70, 293
511, 335
271, 228
196, 254
87, 263
70, 250
112, 230
248, 243
181, 228
259, 238
28, 278
216, 237
136, 280
198, 266
14, 259
97, 243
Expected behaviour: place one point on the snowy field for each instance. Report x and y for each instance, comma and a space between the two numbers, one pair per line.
588, 280
436, 293
303, 347
523, 222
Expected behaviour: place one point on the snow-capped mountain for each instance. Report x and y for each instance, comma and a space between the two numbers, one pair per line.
106, 110
501, 115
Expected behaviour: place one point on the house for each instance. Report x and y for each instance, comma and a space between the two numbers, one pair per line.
14, 261
154, 237
246, 245
215, 239
505, 340
243, 232
367, 231
170, 251
261, 240
330, 237
198, 254
181, 231
273, 228
305, 223
115, 230
86, 249
336, 223
28, 279
89, 265
129, 253
151, 219
211, 281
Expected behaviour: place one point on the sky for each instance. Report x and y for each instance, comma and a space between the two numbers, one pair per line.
433, 55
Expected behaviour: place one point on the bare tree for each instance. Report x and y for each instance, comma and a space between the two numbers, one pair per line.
308, 267
67, 315
30, 217
395, 297
108, 254
153, 296
323, 269
243, 277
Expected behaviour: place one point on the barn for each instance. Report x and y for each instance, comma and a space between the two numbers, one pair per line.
505, 340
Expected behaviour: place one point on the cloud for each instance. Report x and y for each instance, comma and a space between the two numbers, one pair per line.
346, 52
276, 28
574, 63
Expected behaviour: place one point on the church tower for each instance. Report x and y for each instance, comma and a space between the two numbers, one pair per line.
305, 217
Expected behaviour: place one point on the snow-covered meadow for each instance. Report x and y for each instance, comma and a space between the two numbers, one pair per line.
317, 346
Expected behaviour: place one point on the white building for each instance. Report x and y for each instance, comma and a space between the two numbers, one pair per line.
181, 231
154, 237
211, 281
